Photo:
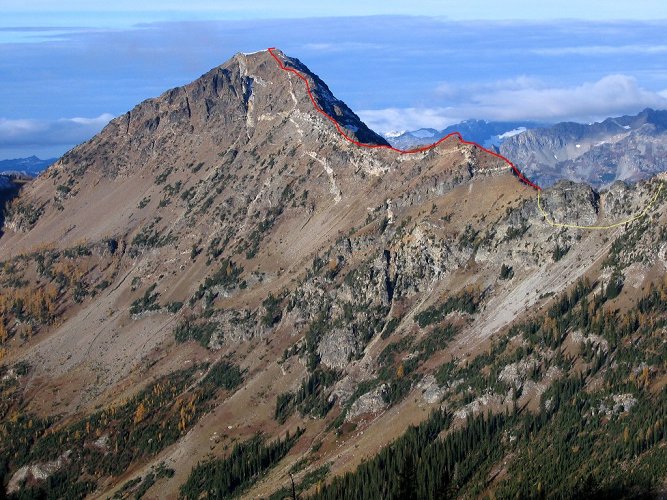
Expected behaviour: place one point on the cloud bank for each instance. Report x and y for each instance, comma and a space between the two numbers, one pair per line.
390, 67
522, 99
48, 135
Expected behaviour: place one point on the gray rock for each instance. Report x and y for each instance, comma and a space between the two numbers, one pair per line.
571, 203
372, 402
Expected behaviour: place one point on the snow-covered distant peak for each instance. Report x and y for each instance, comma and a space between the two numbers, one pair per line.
394, 133
512, 133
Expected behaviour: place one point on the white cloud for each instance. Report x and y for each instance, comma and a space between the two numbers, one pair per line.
341, 47
320, 46
447, 90
393, 119
512, 133
612, 94
64, 131
523, 99
98, 121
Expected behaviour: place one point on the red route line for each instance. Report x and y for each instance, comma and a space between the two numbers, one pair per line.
518, 173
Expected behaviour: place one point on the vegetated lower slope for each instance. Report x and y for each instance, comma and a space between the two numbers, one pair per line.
218, 290
627, 148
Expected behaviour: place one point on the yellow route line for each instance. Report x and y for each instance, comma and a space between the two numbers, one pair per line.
610, 226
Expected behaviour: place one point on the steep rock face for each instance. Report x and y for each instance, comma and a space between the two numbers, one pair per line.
372, 402
422, 258
334, 107
571, 203
629, 148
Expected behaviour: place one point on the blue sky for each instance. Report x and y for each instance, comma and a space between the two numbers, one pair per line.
67, 67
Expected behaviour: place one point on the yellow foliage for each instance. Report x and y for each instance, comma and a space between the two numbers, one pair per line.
39, 303
400, 371
140, 413
644, 378
549, 325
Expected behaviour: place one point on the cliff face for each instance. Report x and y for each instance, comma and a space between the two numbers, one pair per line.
221, 261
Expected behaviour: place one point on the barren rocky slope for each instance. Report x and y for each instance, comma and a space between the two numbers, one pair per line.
220, 261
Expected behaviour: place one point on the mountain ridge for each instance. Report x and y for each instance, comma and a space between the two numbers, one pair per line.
482, 132
220, 262
27, 166
331, 107
628, 148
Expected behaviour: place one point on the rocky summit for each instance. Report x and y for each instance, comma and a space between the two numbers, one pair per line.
220, 293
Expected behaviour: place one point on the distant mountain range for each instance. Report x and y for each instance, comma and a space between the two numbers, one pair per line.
481, 131
31, 166
627, 148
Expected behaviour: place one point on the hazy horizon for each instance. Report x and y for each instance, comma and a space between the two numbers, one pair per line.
67, 73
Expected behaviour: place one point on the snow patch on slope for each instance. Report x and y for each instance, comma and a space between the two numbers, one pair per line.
512, 133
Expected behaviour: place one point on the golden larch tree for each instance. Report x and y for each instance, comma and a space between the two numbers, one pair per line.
140, 413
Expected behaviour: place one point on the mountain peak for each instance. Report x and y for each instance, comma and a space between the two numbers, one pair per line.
255, 93
325, 102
